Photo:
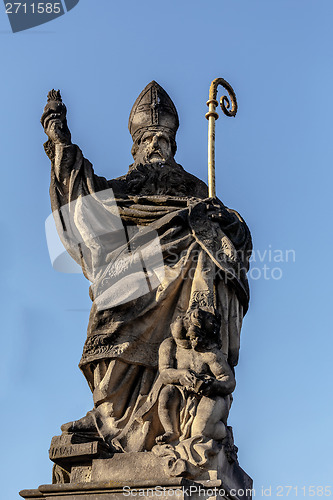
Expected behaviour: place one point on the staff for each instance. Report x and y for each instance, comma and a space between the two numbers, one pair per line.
211, 117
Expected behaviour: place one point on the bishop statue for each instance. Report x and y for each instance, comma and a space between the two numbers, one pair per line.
167, 270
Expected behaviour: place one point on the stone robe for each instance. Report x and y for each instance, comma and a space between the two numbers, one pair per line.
148, 245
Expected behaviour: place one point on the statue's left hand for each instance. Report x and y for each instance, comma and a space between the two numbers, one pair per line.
206, 385
216, 211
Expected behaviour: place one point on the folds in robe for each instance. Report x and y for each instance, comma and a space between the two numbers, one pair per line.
151, 249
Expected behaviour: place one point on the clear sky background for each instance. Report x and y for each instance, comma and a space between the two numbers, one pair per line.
274, 165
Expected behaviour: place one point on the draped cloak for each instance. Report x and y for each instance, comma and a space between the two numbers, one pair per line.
189, 260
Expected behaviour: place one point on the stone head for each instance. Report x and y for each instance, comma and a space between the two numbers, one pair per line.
202, 327
154, 146
153, 124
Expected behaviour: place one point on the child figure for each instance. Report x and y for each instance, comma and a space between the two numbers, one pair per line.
191, 364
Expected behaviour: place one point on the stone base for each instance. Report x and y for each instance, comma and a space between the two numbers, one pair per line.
88, 470
179, 488
115, 477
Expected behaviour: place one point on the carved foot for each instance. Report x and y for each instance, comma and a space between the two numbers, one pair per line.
167, 437
85, 424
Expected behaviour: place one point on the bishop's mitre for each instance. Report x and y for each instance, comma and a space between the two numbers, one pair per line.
153, 110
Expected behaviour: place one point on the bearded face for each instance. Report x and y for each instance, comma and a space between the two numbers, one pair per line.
153, 147
155, 170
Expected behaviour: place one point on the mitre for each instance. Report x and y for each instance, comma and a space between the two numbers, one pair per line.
153, 110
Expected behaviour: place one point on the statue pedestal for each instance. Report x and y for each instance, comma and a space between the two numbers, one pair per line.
142, 474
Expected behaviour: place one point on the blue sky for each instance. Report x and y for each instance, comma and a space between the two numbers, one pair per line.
274, 165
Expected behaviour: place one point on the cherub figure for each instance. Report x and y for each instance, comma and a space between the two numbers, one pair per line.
191, 364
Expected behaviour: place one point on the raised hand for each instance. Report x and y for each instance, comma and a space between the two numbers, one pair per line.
54, 119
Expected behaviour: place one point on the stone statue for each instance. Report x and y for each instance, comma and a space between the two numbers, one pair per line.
192, 366
167, 267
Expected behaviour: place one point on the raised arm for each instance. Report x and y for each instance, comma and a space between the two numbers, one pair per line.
71, 170
76, 208
59, 147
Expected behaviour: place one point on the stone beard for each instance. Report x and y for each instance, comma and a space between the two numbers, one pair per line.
156, 384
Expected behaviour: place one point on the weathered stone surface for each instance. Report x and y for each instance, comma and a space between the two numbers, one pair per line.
115, 477
134, 466
180, 318
167, 267
118, 490
74, 452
